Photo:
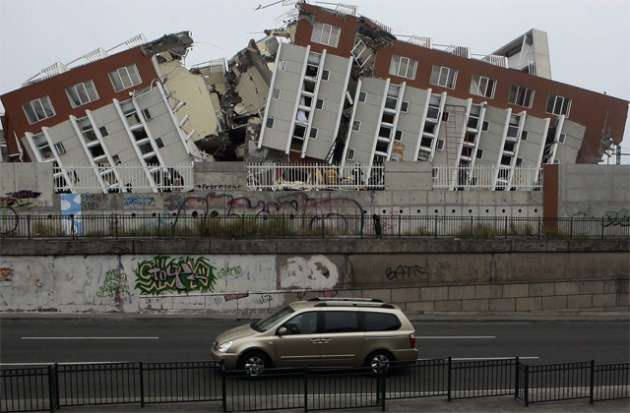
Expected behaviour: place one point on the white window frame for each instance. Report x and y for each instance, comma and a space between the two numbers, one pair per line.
44, 104
37, 148
90, 94
59, 148
350, 155
558, 102
327, 34
402, 66
125, 76
483, 86
523, 95
356, 123
444, 73
362, 97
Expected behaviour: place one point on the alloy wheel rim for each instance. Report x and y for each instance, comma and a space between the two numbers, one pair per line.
254, 365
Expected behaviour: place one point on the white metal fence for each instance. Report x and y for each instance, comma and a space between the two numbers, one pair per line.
313, 177
137, 179
487, 178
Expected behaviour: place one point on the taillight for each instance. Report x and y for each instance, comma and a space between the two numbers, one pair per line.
412, 341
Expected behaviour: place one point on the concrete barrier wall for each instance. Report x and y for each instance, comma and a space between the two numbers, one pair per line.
122, 276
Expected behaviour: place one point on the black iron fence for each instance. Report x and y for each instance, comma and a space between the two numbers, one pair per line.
331, 225
61, 385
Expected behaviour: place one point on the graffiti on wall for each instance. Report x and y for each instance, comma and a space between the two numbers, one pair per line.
6, 274
132, 201
165, 274
406, 273
9, 205
617, 218
316, 272
115, 285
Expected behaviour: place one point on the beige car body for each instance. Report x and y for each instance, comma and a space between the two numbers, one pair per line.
319, 349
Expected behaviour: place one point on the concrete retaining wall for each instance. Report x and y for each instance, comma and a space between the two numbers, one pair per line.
230, 278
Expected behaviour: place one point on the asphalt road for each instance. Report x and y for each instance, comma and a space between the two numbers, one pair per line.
41, 340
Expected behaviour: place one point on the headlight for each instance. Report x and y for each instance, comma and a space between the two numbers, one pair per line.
223, 348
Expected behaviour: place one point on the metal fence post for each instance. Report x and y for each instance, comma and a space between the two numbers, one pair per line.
592, 387
141, 384
450, 368
506, 227
435, 226
517, 373
323, 228
28, 226
602, 227
306, 389
223, 387
571, 228
72, 226
526, 378
383, 378
399, 226
58, 403
51, 387
115, 218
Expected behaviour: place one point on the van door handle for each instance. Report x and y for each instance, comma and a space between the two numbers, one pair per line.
316, 340
324, 340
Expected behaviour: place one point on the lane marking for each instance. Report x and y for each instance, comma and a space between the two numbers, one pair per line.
456, 337
90, 338
487, 358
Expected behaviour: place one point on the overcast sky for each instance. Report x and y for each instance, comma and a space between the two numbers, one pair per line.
589, 40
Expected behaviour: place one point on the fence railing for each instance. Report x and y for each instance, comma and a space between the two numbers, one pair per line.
63, 385
15, 225
487, 178
119, 178
314, 177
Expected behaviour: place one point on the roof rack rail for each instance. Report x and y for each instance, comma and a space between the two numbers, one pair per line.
363, 300
354, 304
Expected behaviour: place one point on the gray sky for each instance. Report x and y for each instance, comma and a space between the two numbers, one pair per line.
589, 40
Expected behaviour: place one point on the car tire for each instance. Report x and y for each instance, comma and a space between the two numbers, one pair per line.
254, 363
379, 361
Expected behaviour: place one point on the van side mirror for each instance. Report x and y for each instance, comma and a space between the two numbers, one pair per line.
281, 331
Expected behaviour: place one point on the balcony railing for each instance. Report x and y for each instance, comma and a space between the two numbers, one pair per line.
484, 178
313, 177
137, 179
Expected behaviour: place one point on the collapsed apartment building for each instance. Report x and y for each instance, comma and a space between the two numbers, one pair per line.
331, 86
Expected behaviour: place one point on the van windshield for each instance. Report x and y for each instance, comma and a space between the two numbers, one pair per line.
267, 323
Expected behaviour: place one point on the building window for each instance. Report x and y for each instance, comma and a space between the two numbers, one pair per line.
283, 65
276, 93
398, 135
125, 77
562, 138
521, 96
440, 144
558, 105
479, 153
326, 75
40, 143
524, 135
443, 76
362, 97
59, 148
116, 159
485, 125
38, 109
270, 122
350, 154
403, 67
82, 93
313, 133
356, 125
319, 104
519, 162
147, 114
482, 86
327, 34
103, 131
159, 143
404, 107
445, 116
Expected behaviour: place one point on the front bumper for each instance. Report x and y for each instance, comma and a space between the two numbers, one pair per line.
229, 360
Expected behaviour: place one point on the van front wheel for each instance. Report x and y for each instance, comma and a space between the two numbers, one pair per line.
254, 363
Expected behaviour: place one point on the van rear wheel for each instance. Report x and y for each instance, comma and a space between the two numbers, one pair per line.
379, 361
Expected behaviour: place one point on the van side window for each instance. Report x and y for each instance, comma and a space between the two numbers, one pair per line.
340, 321
305, 323
380, 322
